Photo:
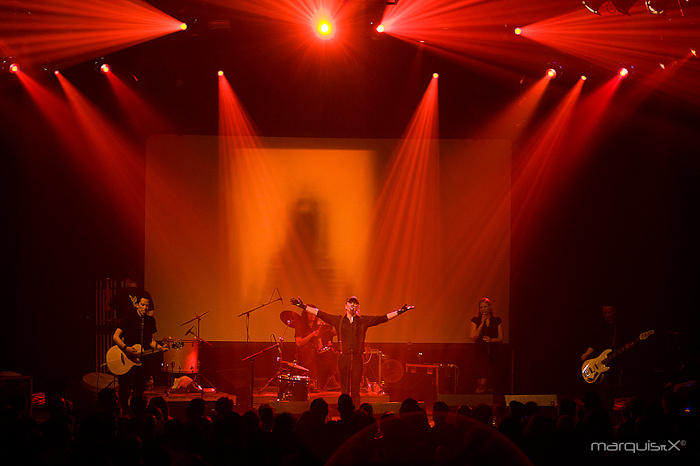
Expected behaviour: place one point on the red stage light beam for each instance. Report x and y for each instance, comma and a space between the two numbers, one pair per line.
256, 220
406, 217
60, 117
535, 167
512, 120
470, 31
640, 38
72, 30
142, 117
114, 163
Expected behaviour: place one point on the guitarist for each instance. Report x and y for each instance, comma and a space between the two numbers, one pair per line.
606, 335
136, 326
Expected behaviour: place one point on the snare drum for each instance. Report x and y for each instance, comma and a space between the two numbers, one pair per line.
182, 357
293, 388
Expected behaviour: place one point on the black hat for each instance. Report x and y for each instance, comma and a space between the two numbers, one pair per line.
353, 300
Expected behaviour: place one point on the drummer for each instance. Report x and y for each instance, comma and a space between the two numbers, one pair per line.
311, 336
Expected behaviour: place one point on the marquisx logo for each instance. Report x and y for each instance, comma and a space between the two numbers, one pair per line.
639, 447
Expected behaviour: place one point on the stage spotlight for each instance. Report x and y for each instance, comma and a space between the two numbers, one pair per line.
662, 66
435, 75
551, 73
56, 72
220, 73
694, 53
183, 26
593, 5
583, 77
623, 6
14, 68
656, 7
380, 28
324, 28
517, 31
105, 68
624, 72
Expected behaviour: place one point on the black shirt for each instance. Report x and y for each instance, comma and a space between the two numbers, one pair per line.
135, 329
490, 330
352, 334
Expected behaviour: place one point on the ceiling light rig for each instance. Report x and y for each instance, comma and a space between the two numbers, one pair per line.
554, 69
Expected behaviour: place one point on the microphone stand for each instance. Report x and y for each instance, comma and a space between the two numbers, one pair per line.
198, 339
247, 313
252, 357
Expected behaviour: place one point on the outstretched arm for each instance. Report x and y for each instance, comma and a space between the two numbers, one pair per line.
328, 318
398, 312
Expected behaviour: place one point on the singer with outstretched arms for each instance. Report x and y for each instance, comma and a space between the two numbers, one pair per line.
351, 329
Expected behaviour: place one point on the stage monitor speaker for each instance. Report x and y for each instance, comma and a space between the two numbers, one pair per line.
420, 382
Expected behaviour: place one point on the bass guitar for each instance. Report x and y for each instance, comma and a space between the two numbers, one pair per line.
593, 368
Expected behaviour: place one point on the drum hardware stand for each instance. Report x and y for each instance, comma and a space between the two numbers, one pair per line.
198, 375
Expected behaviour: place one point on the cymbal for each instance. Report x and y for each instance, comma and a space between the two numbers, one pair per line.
291, 365
289, 318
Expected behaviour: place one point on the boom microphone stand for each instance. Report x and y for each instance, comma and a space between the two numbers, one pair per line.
252, 357
247, 313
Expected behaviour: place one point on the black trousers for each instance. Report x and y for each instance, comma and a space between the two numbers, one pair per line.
350, 370
134, 380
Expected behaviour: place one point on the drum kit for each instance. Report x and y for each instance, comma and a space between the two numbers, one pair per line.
294, 379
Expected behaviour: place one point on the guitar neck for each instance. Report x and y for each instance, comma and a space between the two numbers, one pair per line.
619, 351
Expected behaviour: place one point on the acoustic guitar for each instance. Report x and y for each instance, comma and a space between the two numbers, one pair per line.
119, 362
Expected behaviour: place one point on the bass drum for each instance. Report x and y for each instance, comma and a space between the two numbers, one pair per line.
182, 358
392, 371
293, 388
